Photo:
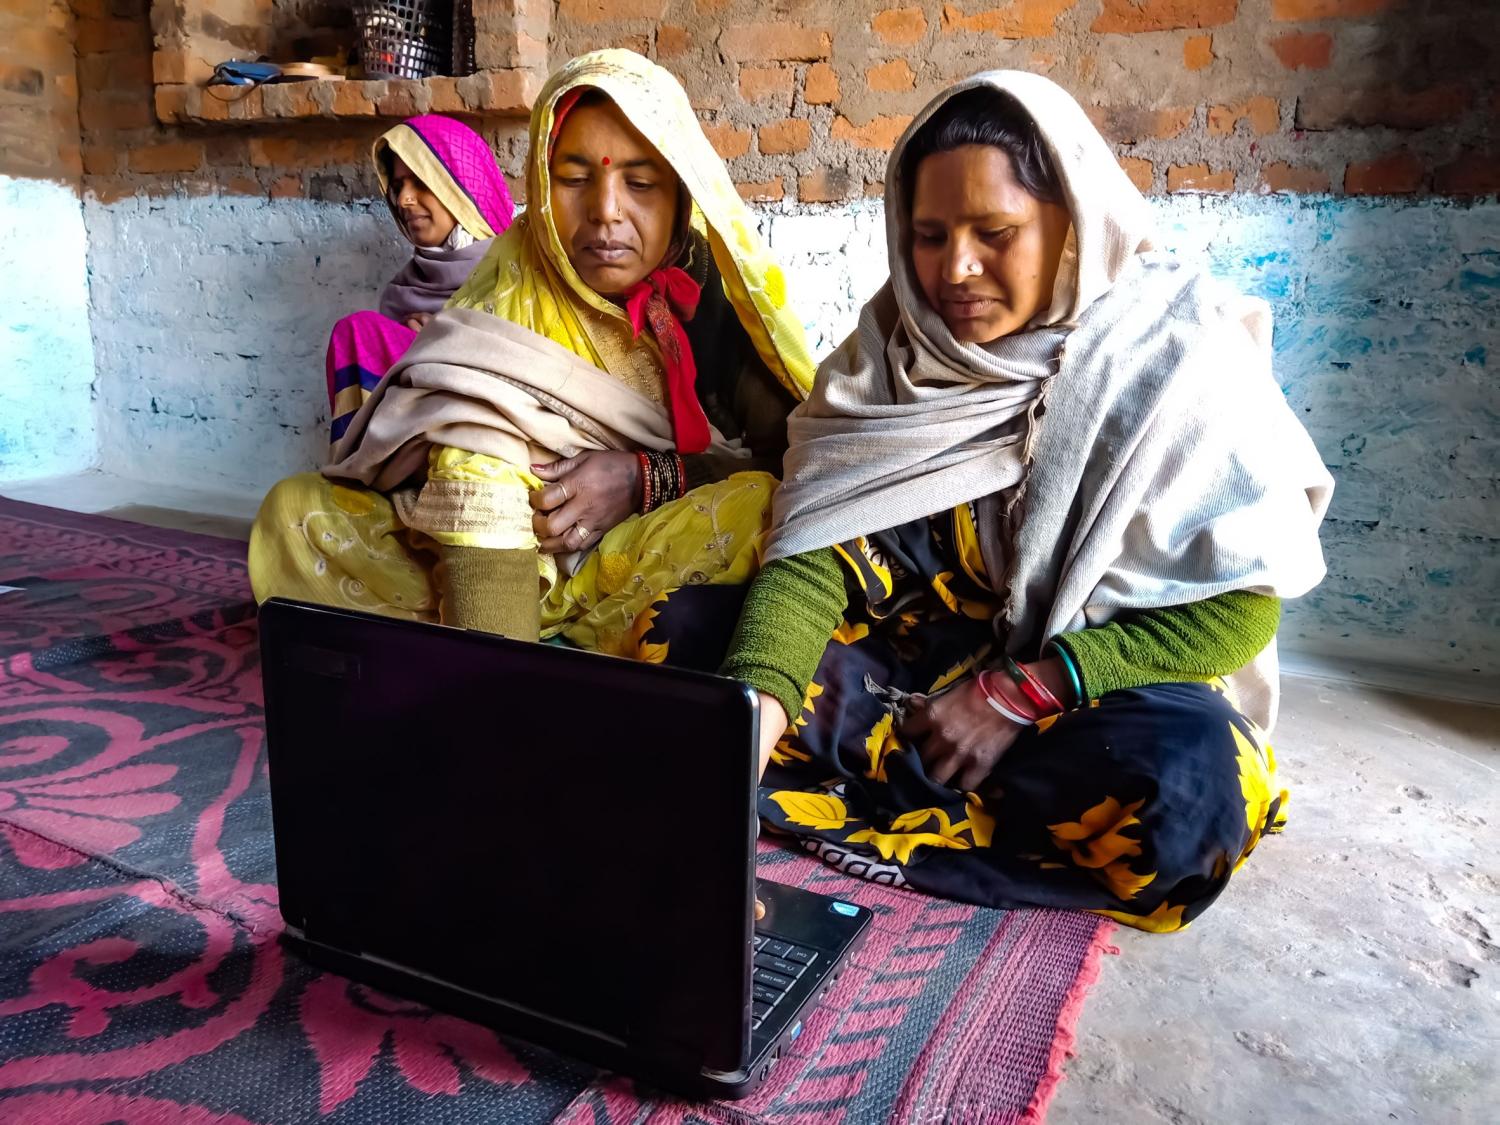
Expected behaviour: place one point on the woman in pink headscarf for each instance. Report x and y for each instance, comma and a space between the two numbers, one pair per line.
449, 199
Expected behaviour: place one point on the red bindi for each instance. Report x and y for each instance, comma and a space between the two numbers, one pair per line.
606, 162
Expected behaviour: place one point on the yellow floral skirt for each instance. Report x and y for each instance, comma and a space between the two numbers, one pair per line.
340, 545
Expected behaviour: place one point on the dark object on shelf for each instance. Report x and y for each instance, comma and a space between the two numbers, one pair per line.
236, 72
463, 38
403, 38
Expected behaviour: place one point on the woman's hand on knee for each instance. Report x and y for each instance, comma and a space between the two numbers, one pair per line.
960, 738
585, 496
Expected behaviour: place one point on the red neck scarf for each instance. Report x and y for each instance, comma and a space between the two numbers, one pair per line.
666, 298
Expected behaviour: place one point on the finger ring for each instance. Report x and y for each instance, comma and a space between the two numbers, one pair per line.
566, 494
583, 532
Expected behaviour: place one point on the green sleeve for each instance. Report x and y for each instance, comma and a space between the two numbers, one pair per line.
793, 607
1197, 641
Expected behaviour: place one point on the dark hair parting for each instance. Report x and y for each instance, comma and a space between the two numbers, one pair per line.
985, 116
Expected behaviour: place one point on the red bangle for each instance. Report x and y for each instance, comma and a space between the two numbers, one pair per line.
646, 497
681, 477
1001, 704
1033, 688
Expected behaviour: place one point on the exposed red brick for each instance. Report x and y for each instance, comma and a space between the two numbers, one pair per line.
1263, 113
357, 99
112, 189
172, 156
891, 77
780, 137
243, 185
639, 42
445, 96
600, 11
767, 191
1198, 51
728, 141
102, 36
879, 132
249, 107
899, 26
821, 85
1473, 173
407, 98
1304, 50
286, 187
500, 91
671, 41
1325, 108
97, 113
1197, 177
758, 82
826, 185
272, 152
1282, 176
290, 99
1128, 17
1396, 173
171, 102
1020, 19
789, 42
25, 80
227, 150
101, 160
1130, 124
169, 66
337, 152
1325, 9
207, 104
1142, 173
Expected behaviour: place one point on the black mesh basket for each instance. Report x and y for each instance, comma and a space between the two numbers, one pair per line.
403, 38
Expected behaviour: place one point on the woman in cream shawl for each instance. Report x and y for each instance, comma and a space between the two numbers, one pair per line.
597, 414
1046, 499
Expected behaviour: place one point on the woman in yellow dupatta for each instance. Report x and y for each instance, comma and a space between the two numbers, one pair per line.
703, 332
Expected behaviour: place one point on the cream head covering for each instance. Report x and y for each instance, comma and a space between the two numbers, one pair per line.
527, 278
1167, 467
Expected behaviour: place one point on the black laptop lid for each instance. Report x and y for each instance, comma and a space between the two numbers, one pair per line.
568, 833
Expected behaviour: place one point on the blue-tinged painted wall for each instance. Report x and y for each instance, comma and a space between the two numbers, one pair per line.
46, 355
210, 337
1387, 330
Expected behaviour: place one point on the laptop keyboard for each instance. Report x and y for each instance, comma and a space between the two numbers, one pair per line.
778, 965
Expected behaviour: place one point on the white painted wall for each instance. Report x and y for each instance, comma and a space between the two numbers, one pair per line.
210, 336
46, 355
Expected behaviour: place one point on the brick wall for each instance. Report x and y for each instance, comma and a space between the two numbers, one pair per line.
126, 150
38, 91
1356, 96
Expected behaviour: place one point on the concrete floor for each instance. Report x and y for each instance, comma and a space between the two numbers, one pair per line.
1351, 973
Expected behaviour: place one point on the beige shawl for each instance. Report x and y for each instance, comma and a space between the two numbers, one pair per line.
1167, 467
479, 383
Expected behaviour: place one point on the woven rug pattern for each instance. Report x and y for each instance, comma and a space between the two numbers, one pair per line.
140, 974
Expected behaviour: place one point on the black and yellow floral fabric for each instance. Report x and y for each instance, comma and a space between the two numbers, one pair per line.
1139, 806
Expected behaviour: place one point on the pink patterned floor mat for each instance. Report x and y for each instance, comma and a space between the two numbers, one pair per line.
142, 979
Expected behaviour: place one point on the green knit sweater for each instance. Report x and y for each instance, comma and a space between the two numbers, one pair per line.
795, 604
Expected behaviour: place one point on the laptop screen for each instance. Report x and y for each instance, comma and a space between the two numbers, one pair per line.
566, 833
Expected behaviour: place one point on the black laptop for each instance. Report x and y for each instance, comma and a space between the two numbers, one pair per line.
558, 844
